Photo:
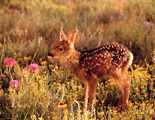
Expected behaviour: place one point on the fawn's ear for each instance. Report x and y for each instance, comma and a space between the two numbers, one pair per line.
62, 35
73, 37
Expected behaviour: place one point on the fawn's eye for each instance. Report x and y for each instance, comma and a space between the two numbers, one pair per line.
60, 49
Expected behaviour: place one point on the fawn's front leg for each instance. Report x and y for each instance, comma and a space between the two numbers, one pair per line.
90, 87
92, 90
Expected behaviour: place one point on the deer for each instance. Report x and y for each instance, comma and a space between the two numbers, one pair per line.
89, 66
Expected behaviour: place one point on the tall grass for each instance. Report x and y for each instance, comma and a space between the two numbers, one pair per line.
130, 22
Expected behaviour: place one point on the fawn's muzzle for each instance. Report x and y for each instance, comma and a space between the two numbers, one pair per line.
50, 54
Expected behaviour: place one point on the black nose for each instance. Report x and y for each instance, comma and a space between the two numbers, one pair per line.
50, 54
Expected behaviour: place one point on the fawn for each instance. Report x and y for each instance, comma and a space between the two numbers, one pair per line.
110, 59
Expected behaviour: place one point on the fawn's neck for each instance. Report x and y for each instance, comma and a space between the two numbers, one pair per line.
72, 60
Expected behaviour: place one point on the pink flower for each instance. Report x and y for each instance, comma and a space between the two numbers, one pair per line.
14, 83
34, 67
10, 61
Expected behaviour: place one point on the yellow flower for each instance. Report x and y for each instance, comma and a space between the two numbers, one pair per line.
142, 87
40, 118
100, 113
15, 53
50, 65
2, 75
54, 83
26, 58
10, 90
33, 117
137, 90
43, 62
40, 59
62, 105
151, 88
20, 59
1, 92
142, 113
44, 72
56, 67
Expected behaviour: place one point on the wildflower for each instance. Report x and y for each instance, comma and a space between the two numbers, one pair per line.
62, 105
10, 90
151, 112
1, 92
33, 117
25, 72
151, 88
15, 53
101, 113
51, 66
10, 61
14, 83
40, 118
2, 75
34, 67
40, 59
26, 58
44, 62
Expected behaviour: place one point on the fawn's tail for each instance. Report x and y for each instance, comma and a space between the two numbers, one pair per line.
131, 59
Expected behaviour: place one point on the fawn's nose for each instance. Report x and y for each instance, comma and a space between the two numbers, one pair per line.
50, 54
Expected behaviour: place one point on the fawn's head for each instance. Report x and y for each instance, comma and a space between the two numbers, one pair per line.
64, 47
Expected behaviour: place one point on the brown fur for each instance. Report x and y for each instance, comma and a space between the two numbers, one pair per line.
88, 66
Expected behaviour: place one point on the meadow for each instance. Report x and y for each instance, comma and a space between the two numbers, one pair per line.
33, 87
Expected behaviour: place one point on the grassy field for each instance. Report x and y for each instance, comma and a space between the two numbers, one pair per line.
45, 90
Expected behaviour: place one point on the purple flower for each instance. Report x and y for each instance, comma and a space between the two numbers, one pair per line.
14, 83
34, 67
10, 61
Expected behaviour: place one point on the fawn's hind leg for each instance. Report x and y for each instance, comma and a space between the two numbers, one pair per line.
124, 84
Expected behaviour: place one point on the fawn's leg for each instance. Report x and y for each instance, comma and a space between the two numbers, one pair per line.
126, 90
92, 84
85, 90
124, 84
120, 101
90, 87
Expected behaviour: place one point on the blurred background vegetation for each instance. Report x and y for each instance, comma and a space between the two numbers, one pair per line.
32, 27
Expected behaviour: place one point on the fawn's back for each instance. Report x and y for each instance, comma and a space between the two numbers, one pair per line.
106, 59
